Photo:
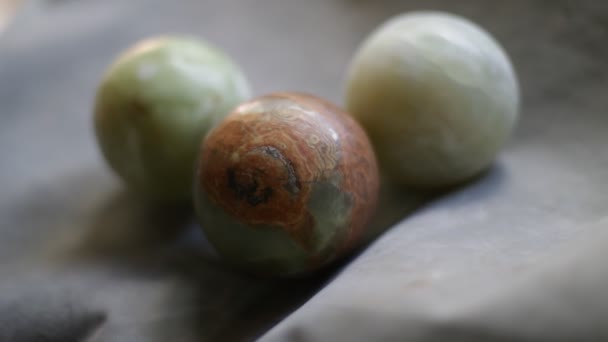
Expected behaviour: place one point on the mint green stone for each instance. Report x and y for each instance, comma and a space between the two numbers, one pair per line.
154, 106
437, 95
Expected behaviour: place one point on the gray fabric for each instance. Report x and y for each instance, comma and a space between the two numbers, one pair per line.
517, 255
43, 314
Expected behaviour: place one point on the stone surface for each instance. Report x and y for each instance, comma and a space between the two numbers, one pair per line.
154, 106
285, 184
438, 96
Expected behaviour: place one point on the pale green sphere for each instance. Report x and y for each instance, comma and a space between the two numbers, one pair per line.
437, 95
154, 106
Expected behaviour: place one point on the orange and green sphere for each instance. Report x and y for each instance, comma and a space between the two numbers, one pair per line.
285, 184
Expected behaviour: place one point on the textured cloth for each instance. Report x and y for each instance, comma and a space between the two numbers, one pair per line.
517, 255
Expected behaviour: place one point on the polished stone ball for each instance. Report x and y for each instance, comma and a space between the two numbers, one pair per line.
285, 184
154, 106
437, 95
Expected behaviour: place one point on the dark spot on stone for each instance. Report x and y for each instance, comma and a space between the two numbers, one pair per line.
292, 185
246, 187
138, 106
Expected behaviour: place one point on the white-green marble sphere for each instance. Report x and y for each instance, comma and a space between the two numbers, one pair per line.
437, 95
154, 106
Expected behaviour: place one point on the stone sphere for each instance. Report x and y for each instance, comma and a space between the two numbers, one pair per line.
285, 184
155, 104
437, 95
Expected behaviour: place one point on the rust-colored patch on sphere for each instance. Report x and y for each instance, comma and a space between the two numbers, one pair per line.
260, 164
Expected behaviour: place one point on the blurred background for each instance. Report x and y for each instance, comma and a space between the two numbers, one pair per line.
7, 9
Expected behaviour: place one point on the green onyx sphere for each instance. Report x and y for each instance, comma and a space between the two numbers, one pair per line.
155, 104
437, 95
